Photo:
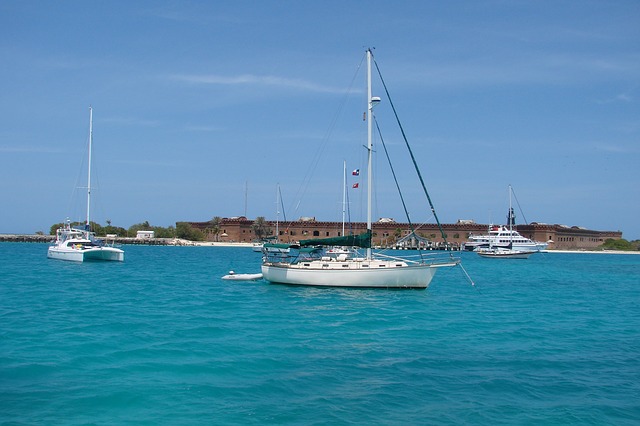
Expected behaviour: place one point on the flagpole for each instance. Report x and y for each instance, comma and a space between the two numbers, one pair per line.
344, 193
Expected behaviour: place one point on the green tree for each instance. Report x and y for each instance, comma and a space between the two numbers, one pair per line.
260, 228
185, 231
160, 232
54, 228
621, 244
214, 227
109, 229
144, 226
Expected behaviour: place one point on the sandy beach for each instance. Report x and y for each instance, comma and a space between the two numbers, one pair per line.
182, 242
592, 251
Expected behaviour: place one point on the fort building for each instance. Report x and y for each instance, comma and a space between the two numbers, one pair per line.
389, 233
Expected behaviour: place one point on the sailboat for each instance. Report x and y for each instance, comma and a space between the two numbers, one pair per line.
80, 245
341, 250
508, 252
273, 241
311, 266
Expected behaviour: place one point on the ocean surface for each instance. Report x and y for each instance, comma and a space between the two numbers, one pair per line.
161, 340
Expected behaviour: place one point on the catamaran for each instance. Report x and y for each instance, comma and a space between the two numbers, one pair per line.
311, 265
80, 245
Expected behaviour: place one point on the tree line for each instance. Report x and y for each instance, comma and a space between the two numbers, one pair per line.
182, 230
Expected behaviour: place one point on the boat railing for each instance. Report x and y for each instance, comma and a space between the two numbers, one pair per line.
292, 256
424, 257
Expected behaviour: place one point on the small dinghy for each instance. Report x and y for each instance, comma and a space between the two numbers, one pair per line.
242, 277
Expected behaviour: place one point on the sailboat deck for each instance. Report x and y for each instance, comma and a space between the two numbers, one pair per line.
331, 263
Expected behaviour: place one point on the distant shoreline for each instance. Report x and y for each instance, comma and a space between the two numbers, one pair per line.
592, 251
34, 238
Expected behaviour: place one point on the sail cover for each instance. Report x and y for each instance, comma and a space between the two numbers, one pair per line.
363, 240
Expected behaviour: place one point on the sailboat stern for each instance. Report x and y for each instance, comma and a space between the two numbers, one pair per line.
104, 253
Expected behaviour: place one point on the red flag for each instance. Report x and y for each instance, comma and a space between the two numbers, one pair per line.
355, 185
356, 172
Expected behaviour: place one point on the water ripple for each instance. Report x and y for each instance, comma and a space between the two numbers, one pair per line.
160, 339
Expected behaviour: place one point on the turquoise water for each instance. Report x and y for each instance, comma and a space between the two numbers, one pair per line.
161, 339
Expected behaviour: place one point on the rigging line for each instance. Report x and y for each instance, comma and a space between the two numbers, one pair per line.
518, 203
306, 181
284, 213
76, 207
473, 284
395, 179
415, 164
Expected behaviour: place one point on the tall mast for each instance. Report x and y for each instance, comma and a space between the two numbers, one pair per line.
369, 147
277, 212
87, 225
510, 220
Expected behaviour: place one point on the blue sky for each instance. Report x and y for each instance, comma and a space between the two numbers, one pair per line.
202, 108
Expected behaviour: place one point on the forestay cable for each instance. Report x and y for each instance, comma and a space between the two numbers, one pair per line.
415, 164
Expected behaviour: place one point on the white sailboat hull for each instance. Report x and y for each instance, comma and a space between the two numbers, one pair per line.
363, 274
84, 255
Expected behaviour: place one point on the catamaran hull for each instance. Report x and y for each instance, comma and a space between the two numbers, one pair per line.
418, 276
94, 254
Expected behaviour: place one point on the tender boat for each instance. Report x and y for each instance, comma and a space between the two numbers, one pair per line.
232, 276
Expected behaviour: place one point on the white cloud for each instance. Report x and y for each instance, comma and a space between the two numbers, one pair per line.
616, 148
28, 149
256, 80
126, 121
195, 128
